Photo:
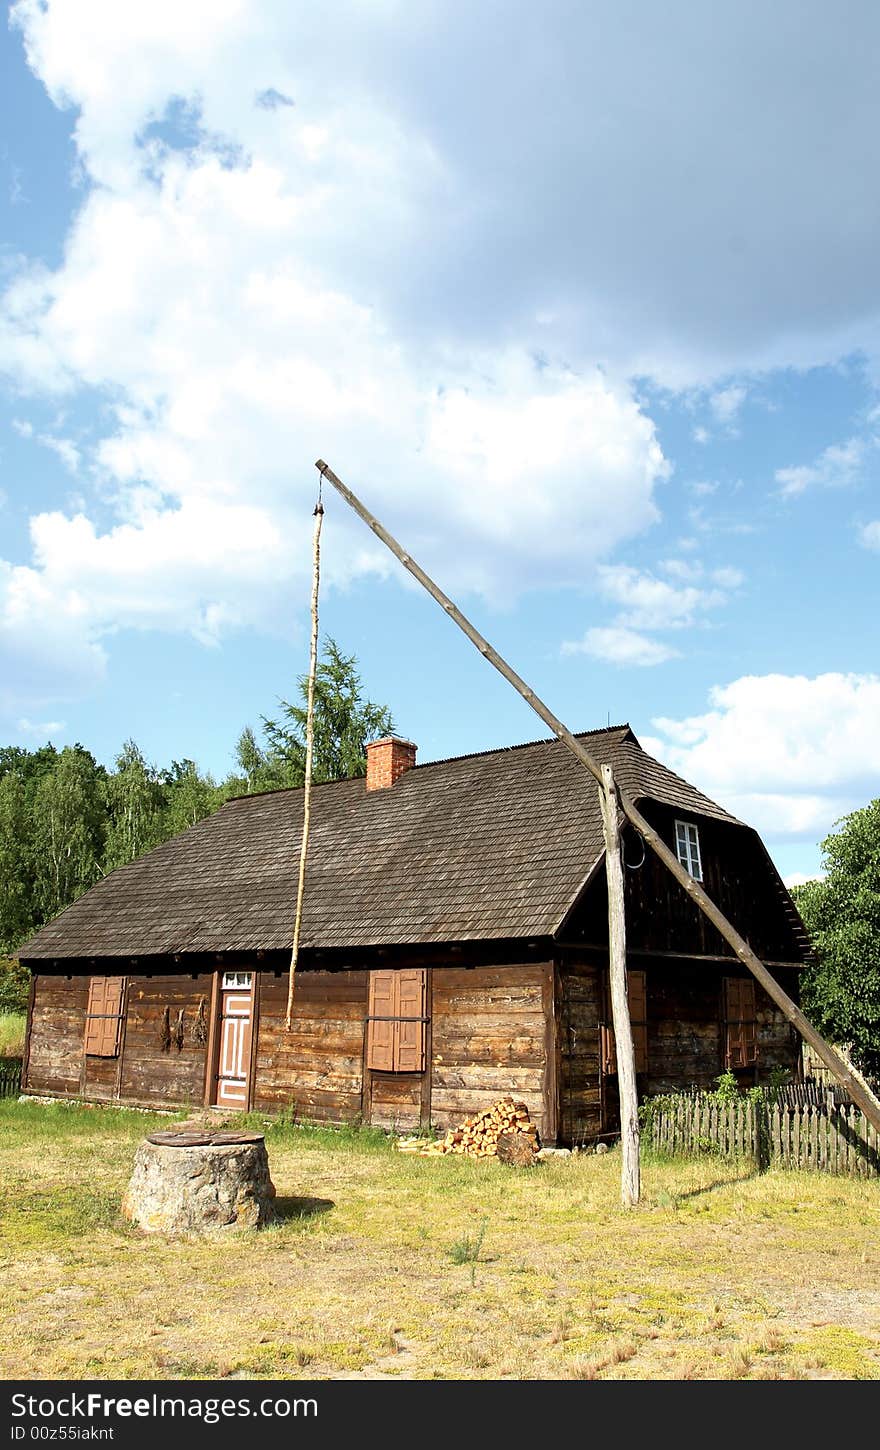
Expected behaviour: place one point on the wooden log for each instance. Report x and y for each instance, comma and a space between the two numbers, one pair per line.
626, 1058
310, 744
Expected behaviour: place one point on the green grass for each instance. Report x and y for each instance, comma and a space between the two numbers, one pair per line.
12, 1030
720, 1273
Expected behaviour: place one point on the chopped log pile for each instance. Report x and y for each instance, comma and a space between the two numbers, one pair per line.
504, 1131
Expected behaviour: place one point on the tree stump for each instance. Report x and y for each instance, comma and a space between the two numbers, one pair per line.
518, 1149
200, 1183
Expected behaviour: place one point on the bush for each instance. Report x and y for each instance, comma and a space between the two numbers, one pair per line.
15, 982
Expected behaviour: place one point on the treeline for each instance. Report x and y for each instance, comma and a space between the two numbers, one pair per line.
66, 820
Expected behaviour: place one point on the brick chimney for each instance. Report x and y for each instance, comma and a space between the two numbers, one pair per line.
387, 760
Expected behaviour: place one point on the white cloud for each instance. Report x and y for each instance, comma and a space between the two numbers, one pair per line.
429, 158
726, 403
870, 535
789, 754
194, 299
700, 434
64, 448
651, 603
45, 652
410, 273
836, 467
686, 570
800, 878
728, 578
41, 728
620, 646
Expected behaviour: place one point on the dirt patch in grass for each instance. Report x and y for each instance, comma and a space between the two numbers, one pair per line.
383, 1265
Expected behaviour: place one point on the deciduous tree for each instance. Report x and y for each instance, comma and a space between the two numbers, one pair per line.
842, 914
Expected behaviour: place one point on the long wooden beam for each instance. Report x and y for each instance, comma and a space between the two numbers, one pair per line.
727, 930
630, 1176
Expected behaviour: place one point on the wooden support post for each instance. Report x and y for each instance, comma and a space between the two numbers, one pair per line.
791, 1011
626, 1057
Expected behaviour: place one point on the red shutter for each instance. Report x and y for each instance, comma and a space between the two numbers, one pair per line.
104, 1016
94, 1018
396, 1031
637, 1000
380, 1034
741, 1038
607, 1049
638, 1014
410, 1053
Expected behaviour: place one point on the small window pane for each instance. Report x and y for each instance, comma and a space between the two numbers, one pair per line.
687, 848
236, 979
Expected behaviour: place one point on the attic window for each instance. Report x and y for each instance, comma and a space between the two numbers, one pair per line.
687, 848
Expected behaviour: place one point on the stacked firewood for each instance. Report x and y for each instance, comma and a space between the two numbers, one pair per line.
504, 1131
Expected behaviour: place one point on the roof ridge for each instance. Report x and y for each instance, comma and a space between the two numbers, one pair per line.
682, 780
444, 760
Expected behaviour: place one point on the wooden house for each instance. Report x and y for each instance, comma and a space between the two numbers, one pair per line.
454, 949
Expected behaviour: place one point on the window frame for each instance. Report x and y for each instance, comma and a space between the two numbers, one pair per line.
237, 985
693, 855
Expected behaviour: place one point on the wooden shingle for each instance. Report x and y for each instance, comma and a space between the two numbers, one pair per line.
486, 846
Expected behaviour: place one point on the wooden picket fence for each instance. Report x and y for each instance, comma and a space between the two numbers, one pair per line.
828, 1137
10, 1077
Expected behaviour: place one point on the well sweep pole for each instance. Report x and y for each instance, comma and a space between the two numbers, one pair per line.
623, 1038
740, 946
310, 745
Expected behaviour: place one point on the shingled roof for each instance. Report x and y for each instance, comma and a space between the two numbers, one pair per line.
488, 846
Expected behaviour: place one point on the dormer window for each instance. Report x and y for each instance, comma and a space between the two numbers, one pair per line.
687, 848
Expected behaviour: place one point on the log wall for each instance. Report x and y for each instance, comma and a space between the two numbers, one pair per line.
142, 1072
579, 994
57, 1034
395, 1100
490, 1038
685, 1037
150, 1073
317, 1068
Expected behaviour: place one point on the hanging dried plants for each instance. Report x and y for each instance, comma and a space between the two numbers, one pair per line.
165, 1030
199, 1030
178, 1031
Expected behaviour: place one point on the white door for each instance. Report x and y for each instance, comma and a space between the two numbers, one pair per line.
233, 1067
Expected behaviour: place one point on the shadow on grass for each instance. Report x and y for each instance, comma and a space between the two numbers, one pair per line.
291, 1209
749, 1172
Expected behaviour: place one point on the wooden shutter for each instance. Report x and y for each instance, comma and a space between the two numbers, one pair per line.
637, 998
380, 1034
740, 1022
104, 1016
638, 1016
396, 1030
410, 1029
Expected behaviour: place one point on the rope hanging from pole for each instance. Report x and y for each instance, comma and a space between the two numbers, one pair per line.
310, 743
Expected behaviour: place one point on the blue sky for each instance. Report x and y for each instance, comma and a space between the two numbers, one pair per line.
582, 300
